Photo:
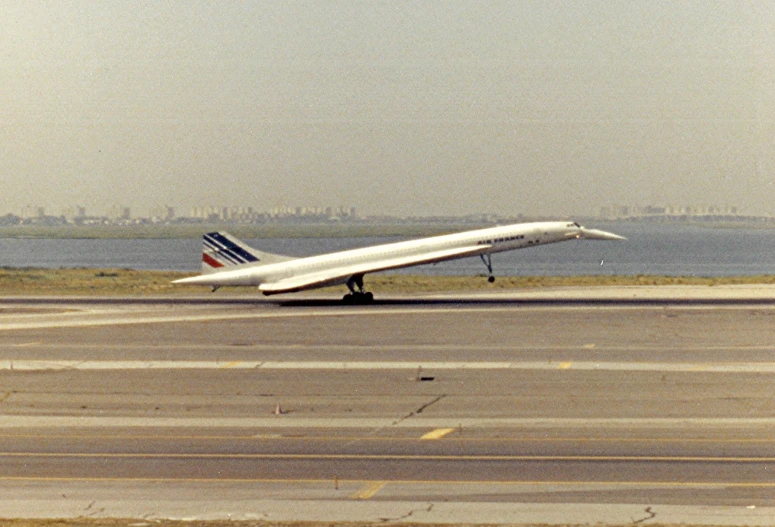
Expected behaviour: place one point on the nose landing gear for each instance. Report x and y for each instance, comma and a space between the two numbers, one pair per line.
487, 260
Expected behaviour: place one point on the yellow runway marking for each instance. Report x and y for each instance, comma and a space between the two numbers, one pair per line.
438, 433
565, 366
231, 364
369, 490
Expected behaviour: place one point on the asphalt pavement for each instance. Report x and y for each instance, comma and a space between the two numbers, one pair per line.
502, 408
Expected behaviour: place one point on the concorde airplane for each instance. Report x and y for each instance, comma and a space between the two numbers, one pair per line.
227, 261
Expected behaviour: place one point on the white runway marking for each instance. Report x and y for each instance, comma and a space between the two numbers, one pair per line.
127, 317
298, 421
118, 316
564, 366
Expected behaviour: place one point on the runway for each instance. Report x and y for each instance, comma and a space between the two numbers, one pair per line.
502, 409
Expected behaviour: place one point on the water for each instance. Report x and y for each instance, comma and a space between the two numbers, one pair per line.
651, 249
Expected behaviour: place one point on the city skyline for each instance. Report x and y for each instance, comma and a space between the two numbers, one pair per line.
75, 214
534, 107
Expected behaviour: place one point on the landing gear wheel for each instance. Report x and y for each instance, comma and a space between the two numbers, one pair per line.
491, 279
358, 298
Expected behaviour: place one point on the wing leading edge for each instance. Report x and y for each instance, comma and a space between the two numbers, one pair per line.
340, 275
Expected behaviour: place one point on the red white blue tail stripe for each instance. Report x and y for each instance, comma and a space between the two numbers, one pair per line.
222, 251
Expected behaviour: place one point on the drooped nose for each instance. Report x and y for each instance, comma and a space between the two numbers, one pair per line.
595, 234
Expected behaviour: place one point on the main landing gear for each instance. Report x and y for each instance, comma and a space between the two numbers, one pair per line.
357, 297
487, 260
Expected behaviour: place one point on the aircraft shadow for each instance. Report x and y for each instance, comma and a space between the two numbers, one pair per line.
378, 302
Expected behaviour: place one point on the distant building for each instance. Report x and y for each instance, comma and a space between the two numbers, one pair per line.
313, 213
649, 211
165, 213
33, 211
615, 211
74, 214
213, 213
119, 212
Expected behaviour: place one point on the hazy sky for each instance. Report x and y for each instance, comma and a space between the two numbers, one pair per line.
443, 107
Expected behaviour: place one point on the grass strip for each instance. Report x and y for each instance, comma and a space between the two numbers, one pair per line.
127, 282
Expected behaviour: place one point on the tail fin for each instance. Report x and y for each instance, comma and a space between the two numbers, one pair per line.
221, 249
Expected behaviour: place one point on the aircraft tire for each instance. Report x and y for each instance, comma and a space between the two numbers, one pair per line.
358, 298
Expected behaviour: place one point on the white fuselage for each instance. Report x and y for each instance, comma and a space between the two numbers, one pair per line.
404, 254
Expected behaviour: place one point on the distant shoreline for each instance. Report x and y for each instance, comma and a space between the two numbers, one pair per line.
312, 230
126, 282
